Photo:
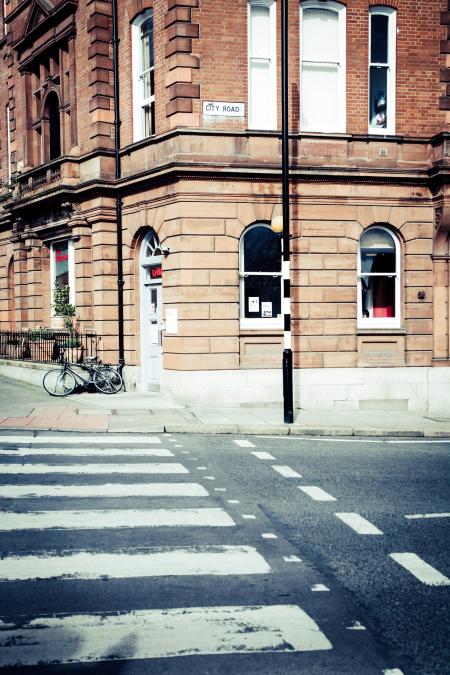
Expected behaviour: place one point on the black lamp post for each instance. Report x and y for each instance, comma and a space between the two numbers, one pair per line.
288, 402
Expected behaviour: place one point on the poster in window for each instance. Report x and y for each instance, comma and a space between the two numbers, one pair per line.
266, 310
253, 305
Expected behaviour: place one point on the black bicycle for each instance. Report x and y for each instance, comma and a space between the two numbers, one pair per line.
63, 381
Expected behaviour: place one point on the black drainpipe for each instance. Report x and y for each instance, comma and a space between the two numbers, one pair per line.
118, 171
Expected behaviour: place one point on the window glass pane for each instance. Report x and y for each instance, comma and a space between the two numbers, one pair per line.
61, 262
375, 237
378, 297
260, 32
149, 117
147, 84
147, 44
378, 98
319, 97
260, 112
262, 251
372, 261
320, 35
267, 291
379, 38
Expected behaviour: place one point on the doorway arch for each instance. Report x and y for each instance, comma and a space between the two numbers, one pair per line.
151, 323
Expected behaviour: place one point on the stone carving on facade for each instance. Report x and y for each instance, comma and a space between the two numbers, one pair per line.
441, 230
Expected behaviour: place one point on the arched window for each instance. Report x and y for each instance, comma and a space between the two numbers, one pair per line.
143, 76
322, 66
378, 279
51, 116
260, 278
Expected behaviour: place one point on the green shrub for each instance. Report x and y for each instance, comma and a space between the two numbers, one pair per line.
61, 304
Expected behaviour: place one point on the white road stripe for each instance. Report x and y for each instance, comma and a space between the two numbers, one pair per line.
417, 516
393, 671
88, 452
178, 561
147, 634
104, 490
114, 518
316, 493
262, 455
286, 471
92, 439
319, 588
129, 467
358, 523
323, 439
245, 444
420, 569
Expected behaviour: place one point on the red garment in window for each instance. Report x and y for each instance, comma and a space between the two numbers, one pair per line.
383, 297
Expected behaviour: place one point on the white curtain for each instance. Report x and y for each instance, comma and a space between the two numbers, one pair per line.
320, 96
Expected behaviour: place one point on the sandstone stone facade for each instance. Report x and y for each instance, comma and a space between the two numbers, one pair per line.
200, 181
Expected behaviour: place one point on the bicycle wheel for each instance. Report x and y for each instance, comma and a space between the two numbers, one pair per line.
107, 380
59, 382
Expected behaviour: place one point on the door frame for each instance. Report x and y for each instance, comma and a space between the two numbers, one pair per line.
150, 254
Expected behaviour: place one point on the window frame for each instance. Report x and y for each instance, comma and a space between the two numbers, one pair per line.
390, 65
71, 269
380, 322
341, 11
139, 101
272, 122
260, 322
8, 141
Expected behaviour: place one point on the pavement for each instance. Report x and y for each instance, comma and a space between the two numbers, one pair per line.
28, 407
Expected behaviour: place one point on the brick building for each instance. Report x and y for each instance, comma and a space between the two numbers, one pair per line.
176, 221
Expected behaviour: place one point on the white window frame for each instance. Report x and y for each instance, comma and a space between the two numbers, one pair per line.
8, 142
341, 10
391, 13
139, 102
260, 322
71, 265
271, 108
380, 322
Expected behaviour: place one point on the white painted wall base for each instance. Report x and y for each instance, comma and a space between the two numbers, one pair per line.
223, 387
413, 389
25, 371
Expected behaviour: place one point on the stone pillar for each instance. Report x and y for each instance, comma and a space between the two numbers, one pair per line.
104, 280
34, 290
441, 291
20, 283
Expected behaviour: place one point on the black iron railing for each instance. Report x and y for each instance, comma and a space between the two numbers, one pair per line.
44, 345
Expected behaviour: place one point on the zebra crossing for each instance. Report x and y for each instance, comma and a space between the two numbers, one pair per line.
182, 532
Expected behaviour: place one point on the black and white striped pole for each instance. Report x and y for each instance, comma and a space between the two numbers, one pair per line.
288, 399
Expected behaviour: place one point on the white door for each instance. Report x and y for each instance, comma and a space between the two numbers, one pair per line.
151, 311
153, 331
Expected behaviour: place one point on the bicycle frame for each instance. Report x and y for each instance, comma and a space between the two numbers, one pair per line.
80, 380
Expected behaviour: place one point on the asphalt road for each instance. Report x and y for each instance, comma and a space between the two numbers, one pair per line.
210, 559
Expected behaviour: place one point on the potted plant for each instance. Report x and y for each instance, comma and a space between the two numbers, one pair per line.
73, 347
41, 343
64, 311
